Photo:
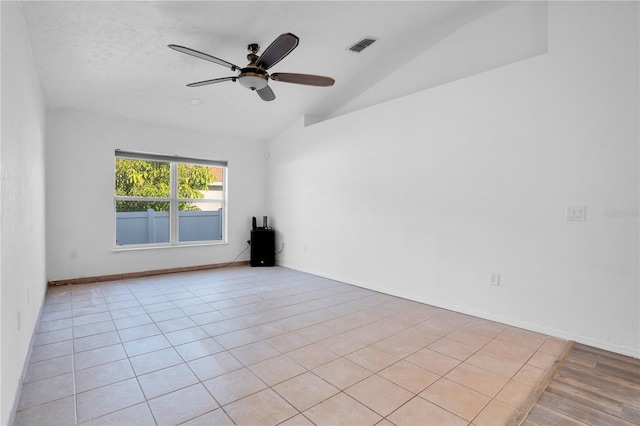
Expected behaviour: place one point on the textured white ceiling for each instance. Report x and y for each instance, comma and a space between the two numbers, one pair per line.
112, 56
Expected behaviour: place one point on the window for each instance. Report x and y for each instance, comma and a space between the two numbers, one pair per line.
166, 201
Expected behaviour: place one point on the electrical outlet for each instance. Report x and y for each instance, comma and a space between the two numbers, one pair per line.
494, 279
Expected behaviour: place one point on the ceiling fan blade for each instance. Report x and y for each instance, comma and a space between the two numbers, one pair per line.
306, 79
277, 50
204, 56
266, 94
215, 80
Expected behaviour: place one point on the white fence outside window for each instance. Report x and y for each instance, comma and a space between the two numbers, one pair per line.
153, 226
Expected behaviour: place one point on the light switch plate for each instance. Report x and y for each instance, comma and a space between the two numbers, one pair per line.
576, 213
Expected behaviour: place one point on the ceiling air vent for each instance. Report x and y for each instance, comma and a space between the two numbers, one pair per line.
362, 44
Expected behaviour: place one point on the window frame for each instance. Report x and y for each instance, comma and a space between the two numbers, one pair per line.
173, 200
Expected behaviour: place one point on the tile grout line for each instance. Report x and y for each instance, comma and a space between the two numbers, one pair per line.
200, 382
511, 378
146, 401
417, 395
280, 332
73, 361
371, 345
461, 384
542, 383
339, 356
226, 350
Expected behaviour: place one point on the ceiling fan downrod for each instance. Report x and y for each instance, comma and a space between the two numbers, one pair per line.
251, 76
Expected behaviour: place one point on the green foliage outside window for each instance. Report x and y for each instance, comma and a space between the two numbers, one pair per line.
143, 178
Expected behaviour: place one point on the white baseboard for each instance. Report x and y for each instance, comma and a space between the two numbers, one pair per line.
25, 366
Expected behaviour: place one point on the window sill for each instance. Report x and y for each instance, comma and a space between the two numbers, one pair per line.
122, 249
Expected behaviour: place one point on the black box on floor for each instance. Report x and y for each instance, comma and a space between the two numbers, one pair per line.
263, 247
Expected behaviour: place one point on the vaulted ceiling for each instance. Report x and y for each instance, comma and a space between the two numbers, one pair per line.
112, 57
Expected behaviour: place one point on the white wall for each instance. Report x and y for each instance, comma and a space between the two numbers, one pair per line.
477, 175
80, 185
22, 222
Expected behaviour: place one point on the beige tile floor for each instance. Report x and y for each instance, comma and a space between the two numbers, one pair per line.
268, 346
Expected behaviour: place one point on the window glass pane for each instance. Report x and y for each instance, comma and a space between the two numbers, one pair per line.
142, 178
215, 190
204, 224
200, 220
194, 181
141, 222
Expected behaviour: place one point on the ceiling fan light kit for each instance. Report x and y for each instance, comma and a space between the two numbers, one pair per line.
253, 79
255, 76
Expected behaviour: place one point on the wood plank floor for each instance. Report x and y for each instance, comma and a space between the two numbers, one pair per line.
592, 387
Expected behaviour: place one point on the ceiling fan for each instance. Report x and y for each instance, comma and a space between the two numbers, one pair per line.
254, 76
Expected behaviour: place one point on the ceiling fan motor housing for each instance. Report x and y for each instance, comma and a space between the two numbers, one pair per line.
253, 78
